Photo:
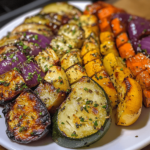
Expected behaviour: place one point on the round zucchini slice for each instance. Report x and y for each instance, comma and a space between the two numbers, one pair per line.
84, 117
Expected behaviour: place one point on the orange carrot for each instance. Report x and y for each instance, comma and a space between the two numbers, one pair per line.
104, 25
146, 96
92, 9
138, 63
106, 12
144, 79
121, 39
117, 26
126, 50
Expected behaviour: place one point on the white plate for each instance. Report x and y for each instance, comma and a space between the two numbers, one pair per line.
117, 138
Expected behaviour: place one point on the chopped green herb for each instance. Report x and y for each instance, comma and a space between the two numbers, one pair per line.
46, 69
95, 105
36, 37
95, 123
58, 90
73, 32
139, 45
68, 51
100, 77
39, 79
89, 102
70, 46
25, 46
24, 34
68, 90
13, 60
40, 113
0, 116
81, 119
121, 69
104, 106
86, 109
12, 55
62, 123
90, 119
36, 44
55, 49
86, 89
20, 116
6, 84
74, 134
21, 129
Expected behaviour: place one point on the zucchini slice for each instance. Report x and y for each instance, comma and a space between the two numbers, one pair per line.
84, 117
27, 118
11, 84
50, 96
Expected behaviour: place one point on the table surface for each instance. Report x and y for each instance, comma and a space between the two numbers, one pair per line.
137, 7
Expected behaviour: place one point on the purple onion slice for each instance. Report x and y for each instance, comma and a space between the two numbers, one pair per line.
31, 73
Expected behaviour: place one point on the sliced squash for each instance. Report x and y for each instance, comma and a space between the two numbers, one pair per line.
84, 117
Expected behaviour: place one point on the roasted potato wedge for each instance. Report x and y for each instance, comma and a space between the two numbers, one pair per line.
47, 59
94, 67
37, 19
11, 84
75, 73
106, 36
102, 78
57, 77
108, 47
27, 118
61, 8
88, 20
50, 96
74, 33
91, 30
71, 59
33, 27
129, 110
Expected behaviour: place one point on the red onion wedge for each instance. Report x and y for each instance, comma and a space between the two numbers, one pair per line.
11, 60
138, 27
37, 39
31, 73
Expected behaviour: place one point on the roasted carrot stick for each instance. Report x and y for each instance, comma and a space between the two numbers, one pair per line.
126, 50
146, 96
104, 25
138, 63
117, 26
144, 79
121, 39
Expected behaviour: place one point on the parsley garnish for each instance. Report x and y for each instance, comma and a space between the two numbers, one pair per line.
36, 37
121, 69
95, 123
104, 106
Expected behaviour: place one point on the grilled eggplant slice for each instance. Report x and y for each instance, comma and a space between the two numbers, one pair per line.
61, 8
57, 77
50, 96
46, 59
27, 118
35, 28
71, 59
84, 117
11, 84
75, 73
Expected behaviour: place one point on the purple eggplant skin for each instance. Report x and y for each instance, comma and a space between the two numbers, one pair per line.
37, 39
33, 119
10, 60
11, 84
31, 73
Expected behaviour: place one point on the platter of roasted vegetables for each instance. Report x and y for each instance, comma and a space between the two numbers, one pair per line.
71, 78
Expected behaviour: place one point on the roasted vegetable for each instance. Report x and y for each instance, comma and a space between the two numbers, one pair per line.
74, 73
146, 95
57, 77
102, 78
106, 36
110, 62
33, 27
27, 118
70, 59
84, 117
61, 8
108, 47
31, 73
11, 59
73, 33
46, 59
11, 84
129, 109
94, 67
50, 96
